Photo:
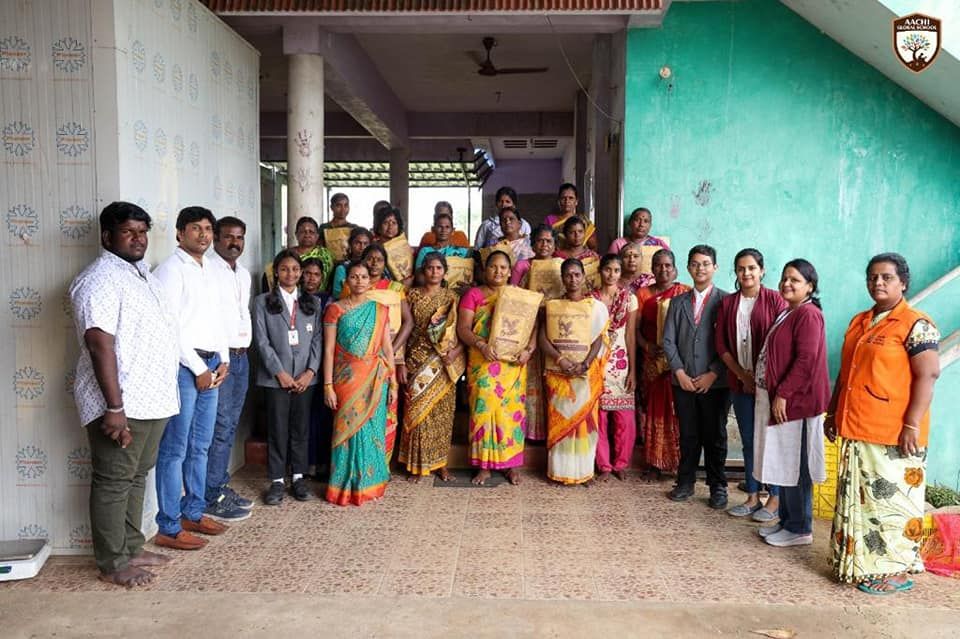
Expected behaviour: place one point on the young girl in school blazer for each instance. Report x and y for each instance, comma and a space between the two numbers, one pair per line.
288, 334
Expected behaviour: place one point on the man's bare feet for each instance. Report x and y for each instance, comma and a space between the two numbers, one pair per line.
147, 558
620, 474
443, 474
604, 476
128, 577
512, 476
481, 477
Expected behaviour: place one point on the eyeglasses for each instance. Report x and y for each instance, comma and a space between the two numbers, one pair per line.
699, 265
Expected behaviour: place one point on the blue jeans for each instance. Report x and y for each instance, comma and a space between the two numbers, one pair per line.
182, 459
233, 392
744, 407
796, 502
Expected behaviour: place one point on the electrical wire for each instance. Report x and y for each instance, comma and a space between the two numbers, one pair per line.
574, 73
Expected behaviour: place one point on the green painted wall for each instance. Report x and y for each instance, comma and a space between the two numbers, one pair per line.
769, 134
943, 462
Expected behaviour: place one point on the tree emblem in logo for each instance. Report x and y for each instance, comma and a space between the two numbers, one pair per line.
216, 128
18, 138
73, 139
916, 40
33, 531
227, 72
69, 55
25, 303
78, 463
14, 54
28, 383
22, 221
31, 462
138, 55
81, 537
76, 222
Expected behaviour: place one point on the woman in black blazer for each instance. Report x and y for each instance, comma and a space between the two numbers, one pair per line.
288, 332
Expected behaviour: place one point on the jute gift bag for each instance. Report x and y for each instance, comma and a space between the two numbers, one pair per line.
338, 242
399, 257
567, 325
544, 277
459, 270
514, 319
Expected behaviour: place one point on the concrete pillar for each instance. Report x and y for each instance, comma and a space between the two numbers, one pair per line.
400, 184
305, 194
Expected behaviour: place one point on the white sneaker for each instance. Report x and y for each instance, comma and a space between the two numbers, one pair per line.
766, 531
784, 537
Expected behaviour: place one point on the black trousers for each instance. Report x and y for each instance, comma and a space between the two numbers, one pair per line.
703, 426
288, 429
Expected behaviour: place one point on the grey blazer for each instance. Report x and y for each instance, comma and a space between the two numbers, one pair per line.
276, 354
691, 346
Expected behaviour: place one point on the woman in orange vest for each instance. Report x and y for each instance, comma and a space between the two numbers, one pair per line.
881, 409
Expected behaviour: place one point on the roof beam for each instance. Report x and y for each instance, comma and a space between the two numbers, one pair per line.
435, 126
352, 80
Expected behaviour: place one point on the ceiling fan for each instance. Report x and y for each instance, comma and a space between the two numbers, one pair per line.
487, 68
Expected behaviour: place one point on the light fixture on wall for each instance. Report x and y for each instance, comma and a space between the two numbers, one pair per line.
666, 75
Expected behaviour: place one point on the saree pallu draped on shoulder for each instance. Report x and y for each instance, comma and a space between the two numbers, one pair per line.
358, 465
573, 410
496, 401
428, 417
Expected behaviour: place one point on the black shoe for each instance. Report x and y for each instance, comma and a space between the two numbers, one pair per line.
300, 489
718, 498
742, 487
274, 494
681, 492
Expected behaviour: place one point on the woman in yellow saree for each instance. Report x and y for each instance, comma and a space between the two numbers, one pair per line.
496, 387
574, 384
358, 383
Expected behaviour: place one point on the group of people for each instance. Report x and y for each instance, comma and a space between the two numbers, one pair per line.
555, 343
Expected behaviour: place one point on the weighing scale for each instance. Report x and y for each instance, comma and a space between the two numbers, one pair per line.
22, 559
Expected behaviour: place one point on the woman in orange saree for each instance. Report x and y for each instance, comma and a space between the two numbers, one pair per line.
661, 430
359, 384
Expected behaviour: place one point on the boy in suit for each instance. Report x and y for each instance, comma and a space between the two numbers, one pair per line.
700, 385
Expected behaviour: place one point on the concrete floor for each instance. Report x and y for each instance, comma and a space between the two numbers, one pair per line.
538, 560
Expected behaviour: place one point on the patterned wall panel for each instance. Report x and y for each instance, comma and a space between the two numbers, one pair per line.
179, 70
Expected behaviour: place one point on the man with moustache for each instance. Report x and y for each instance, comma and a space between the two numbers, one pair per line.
223, 503
191, 287
125, 388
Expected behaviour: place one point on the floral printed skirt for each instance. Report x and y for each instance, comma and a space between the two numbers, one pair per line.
878, 522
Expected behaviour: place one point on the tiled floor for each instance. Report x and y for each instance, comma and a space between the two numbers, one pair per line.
538, 541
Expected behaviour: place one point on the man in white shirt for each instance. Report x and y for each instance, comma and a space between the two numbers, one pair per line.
125, 387
223, 503
192, 291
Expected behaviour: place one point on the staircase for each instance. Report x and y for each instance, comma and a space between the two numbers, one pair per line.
941, 300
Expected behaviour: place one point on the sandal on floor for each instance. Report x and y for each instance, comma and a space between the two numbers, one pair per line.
743, 510
876, 586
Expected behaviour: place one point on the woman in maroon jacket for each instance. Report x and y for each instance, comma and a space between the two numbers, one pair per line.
793, 390
742, 324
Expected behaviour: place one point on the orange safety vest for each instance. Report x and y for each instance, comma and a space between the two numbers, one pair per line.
876, 377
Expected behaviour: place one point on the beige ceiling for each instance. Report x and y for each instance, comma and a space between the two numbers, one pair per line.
435, 73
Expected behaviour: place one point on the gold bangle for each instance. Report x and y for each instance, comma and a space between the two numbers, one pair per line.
911, 427
328, 383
